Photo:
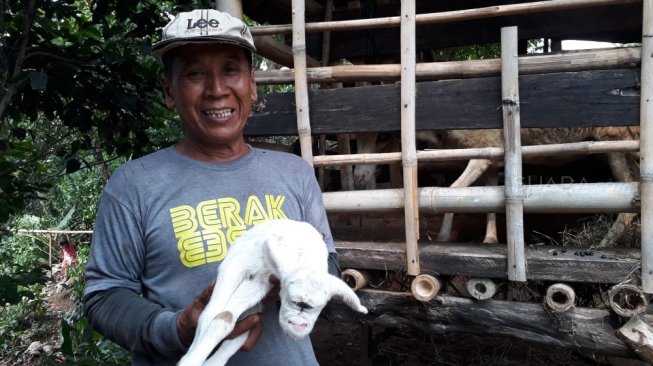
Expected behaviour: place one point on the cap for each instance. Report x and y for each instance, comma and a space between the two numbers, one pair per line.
204, 25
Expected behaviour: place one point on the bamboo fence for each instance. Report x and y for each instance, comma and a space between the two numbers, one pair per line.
514, 199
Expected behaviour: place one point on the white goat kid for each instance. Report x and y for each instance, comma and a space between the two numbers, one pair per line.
292, 251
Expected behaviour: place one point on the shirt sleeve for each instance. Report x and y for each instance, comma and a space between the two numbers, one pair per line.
112, 295
314, 211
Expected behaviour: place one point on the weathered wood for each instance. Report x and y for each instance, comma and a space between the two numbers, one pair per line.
475, 260
607, 97
638, 334
582, 329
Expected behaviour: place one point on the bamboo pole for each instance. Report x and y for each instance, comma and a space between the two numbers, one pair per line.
600, 59
538, 198
301, 84
512, 142
445, 16
494, 153
646, 146
408, 148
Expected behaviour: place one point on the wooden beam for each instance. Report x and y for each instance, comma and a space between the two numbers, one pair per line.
489, 261
579, 329
607, 97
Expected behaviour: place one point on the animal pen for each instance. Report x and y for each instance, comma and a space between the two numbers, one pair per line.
590, 299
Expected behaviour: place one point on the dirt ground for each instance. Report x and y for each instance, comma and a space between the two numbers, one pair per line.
343, 345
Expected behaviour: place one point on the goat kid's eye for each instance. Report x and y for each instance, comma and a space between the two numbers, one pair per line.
302, 305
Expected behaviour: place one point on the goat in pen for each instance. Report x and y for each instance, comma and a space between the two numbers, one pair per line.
623, 166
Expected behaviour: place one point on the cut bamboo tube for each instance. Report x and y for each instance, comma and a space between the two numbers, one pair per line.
481, 288
445, 16
512, 142
301, 84
560, 297
425, 287
646, 147
627, 300
408, 147
494, 153
538, 198
355, 279
600, 59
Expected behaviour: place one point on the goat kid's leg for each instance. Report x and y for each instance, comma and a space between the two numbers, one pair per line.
228, 348
249, 294
475, 168
491, 225
219, 316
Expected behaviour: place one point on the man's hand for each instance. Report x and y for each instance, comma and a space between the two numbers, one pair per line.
187, 319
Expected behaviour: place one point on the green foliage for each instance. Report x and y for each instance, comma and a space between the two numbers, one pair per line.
76, 80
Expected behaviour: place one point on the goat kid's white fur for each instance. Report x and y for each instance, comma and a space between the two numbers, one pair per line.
295, 253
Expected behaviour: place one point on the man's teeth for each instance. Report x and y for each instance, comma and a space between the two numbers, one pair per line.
223, 113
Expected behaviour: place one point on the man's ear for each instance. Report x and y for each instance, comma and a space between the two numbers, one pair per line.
170, 101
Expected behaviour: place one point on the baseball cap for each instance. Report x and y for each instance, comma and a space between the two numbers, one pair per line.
204, 25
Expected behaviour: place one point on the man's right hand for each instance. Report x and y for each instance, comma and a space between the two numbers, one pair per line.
187, 321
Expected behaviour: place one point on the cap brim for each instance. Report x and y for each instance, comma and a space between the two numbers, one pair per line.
162, 47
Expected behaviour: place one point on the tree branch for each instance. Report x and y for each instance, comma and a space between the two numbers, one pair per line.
20, 58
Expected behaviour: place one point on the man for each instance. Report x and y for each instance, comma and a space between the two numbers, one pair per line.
165, 221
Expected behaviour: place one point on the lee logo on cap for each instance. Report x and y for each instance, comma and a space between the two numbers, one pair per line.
202, 23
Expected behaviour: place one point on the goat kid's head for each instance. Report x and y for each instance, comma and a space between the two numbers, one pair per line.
305, 294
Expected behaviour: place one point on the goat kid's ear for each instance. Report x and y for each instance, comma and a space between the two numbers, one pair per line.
275, 250
341, 290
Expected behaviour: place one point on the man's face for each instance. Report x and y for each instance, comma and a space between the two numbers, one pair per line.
212, 87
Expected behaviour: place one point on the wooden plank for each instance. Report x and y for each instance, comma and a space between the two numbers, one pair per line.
476, 260
580, 329
581, 99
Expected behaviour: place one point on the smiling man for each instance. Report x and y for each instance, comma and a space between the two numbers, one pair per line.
166, 221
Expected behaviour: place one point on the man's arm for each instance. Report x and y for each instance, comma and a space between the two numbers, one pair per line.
133, 322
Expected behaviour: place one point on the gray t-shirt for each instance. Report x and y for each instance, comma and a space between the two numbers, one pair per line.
166, 221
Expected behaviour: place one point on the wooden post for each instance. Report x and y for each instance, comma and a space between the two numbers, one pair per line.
233, 7
408, 148
301, 83
512, 142
646, 147
638, 334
